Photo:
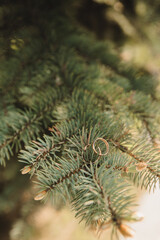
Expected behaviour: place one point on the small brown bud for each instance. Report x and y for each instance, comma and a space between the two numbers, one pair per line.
40, 195
26, 169
141, 166
125, 230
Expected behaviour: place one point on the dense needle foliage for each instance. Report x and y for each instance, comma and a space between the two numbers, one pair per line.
84, 123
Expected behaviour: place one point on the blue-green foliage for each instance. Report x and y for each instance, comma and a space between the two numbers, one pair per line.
76, 87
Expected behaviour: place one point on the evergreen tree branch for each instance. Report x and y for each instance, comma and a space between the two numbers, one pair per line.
26, 125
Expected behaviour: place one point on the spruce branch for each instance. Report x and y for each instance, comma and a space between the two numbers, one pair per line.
49, 148
99, 108
98, 207
26, 125
61, 177
148, 169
